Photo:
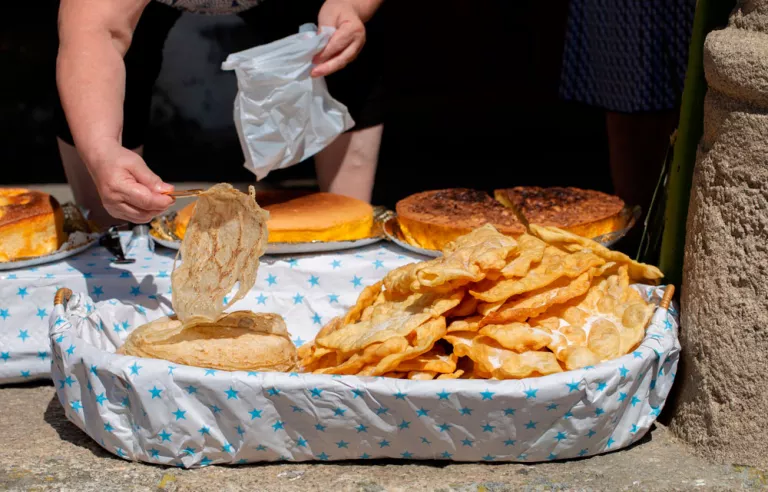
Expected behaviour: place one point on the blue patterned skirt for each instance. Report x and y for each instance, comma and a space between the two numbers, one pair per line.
627, 55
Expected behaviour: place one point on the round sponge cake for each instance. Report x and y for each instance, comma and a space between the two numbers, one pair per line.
305, 217
319, 217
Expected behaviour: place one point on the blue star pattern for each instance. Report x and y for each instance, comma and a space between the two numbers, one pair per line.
25, 303
208, 412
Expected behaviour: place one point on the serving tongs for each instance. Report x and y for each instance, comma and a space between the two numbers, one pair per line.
183, 193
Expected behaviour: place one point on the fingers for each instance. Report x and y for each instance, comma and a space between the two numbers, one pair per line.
130, 213
130, 190
343, 37
146, 190
343, 47
145, 176
143, 199
337, 63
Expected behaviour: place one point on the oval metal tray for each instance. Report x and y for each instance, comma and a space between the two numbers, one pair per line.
58, 255
160, 232
294, 248
629, 217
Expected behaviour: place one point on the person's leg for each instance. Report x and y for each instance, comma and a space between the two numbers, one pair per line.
143, 61
348, 165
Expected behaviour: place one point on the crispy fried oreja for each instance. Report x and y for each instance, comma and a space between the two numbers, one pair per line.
389, 320
468, 259
638, 272
531, 252
224, 239
553, 266
538, 301
426, 337
492, 308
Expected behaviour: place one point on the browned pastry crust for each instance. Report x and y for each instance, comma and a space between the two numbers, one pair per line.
432, 219
586, 213
31, 224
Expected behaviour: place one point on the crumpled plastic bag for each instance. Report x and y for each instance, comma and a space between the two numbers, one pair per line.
282, 114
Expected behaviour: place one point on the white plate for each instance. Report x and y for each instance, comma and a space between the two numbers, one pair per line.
59, 255
295, 248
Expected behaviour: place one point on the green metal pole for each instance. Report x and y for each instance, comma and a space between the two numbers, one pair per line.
710, 14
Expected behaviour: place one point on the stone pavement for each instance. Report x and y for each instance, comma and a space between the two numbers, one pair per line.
41, 450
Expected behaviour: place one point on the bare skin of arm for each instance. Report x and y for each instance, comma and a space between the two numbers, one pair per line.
94, 37
347, 16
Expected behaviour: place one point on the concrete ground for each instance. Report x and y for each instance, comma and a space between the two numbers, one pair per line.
41, 450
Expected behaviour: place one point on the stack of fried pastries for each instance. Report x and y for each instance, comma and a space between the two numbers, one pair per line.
492, 307
225, 238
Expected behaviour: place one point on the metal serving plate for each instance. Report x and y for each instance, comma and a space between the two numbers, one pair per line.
629, 217
161, 232
74, 221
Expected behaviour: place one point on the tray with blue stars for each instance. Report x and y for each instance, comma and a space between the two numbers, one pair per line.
157, 412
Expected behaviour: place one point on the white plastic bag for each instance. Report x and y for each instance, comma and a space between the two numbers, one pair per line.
282, 114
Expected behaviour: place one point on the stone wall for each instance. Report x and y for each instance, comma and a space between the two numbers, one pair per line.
722, 409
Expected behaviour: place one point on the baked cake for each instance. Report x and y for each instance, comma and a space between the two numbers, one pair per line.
432, 219
319, 217
31, 224
299, 216
586, 213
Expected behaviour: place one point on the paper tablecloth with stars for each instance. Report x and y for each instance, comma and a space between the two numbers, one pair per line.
158, 412
307, 290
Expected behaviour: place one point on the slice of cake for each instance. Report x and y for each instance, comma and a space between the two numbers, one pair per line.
432, 219
586, 213
31, 224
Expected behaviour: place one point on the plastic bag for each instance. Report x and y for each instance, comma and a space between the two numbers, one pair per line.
282, 114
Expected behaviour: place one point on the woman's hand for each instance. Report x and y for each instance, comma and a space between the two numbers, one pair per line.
128, 189
346, 42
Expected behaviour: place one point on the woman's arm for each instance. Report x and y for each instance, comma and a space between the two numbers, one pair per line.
365, 8
348, 17
94, 36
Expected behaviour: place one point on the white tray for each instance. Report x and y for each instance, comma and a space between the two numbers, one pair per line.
158, 412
